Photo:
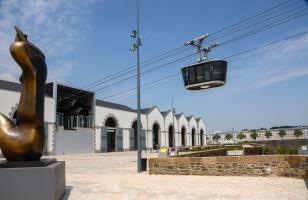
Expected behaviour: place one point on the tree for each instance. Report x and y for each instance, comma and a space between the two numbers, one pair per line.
241, 136
216, 137
298, 133
268, 134
229, 136
282, 133
254, 135
207, 137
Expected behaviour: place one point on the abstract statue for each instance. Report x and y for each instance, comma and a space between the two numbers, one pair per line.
24, 141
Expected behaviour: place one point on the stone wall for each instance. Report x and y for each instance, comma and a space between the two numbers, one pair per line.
279, 165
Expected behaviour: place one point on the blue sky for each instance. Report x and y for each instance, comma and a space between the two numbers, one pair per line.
87, 40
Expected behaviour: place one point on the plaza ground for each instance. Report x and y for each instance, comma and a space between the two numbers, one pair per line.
113, 176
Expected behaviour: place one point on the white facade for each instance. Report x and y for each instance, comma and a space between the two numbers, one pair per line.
156, 125
154, 117
193, 139
183, 128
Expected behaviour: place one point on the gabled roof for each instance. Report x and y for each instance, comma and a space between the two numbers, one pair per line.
145, 110
189, 117
165, 113
148, 110
179, 115
114, 105
198, 119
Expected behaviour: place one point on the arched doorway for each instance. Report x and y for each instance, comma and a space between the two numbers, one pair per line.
135, 135
193, 133
171, 133
183, 131
111, 125
155, 132
201, 137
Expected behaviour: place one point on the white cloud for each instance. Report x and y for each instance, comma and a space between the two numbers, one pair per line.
281, 62
56, 27
284, 76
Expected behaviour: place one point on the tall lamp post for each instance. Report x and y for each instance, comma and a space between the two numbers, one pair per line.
135, 34
174, 133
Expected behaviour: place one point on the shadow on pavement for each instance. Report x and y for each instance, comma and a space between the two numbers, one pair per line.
68, 190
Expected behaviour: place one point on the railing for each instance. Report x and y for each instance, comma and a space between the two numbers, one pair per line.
59, 119
72, 122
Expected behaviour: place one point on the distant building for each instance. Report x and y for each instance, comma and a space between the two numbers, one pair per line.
261, 135
76, 122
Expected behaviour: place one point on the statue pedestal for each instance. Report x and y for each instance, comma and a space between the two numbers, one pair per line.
43, 180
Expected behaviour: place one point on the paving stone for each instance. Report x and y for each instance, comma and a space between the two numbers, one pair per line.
113, 176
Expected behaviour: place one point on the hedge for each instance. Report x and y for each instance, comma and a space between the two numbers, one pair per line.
207, 153
257, 150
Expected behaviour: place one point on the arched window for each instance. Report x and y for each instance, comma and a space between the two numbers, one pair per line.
155, 133
171, 136
201, 137
193, 134
183, 132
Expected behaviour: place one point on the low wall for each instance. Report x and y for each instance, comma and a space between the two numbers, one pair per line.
265, 165
74, 142
291, 144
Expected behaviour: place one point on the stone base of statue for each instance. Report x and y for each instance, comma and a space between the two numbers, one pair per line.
44, 179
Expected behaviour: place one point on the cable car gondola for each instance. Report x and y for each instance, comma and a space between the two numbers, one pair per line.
204, 75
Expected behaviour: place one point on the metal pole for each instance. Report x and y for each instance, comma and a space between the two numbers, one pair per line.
173, 123
138, 94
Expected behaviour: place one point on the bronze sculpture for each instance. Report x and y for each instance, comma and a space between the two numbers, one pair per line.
24, 141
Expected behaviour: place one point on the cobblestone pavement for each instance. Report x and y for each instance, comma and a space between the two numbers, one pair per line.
113, 176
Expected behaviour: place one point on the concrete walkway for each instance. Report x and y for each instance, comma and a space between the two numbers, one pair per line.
113, 176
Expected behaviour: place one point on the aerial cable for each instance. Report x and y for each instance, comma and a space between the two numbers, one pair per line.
238, 29
228, 57
263, 28
268, 44
252, 17
150, 83
126, 71
88, 86
148, 87
117, 75
147, 71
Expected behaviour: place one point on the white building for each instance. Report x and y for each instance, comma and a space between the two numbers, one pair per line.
76, 122
261, 135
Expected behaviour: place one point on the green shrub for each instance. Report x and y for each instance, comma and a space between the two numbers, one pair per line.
257, 150
267, 151
284, 150
194, 149
293, 151
207, 153
234, 147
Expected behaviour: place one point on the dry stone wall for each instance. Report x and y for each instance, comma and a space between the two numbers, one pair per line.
277, 165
